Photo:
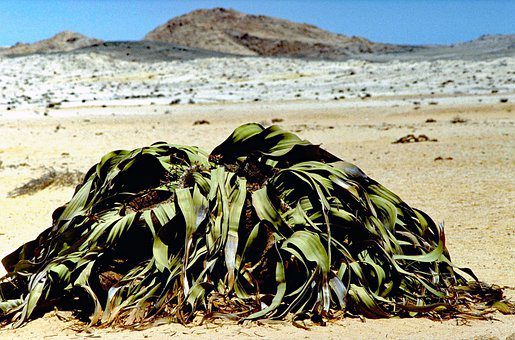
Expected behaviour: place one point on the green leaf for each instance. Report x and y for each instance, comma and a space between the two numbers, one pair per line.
310, 247
279, 295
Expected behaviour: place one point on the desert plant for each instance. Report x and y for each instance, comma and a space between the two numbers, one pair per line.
266, 225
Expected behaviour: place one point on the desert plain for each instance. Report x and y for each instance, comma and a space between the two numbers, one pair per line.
64, 111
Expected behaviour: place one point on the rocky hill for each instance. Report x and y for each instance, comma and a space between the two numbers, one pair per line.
229, 31
61, 42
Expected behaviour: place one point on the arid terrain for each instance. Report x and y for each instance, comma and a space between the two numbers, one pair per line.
464, 179
38, 85
68, 100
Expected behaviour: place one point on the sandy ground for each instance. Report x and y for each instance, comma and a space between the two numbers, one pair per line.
473, 192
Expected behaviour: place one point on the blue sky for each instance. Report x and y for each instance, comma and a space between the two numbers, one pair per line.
394, 21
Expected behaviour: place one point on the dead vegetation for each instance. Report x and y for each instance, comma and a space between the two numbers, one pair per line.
51, 176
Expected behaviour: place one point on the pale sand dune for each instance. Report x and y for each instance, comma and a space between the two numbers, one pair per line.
473, 192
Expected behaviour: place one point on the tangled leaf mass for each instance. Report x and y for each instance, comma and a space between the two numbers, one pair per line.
265, 226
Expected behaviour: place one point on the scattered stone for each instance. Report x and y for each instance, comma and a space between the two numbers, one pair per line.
277, 120
53, 105
440, 158
458, 120
411, 138
201, 122
430, 120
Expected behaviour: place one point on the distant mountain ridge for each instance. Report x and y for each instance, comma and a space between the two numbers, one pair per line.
220, 32
61, 42
230, 31
490, 40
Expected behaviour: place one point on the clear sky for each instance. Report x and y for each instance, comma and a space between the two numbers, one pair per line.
394, 21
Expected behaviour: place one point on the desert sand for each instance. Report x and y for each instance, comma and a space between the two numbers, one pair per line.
466, 179
62, 111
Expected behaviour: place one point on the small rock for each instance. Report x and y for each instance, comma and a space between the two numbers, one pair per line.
53, 105
458, 120
201, 122
414, 139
